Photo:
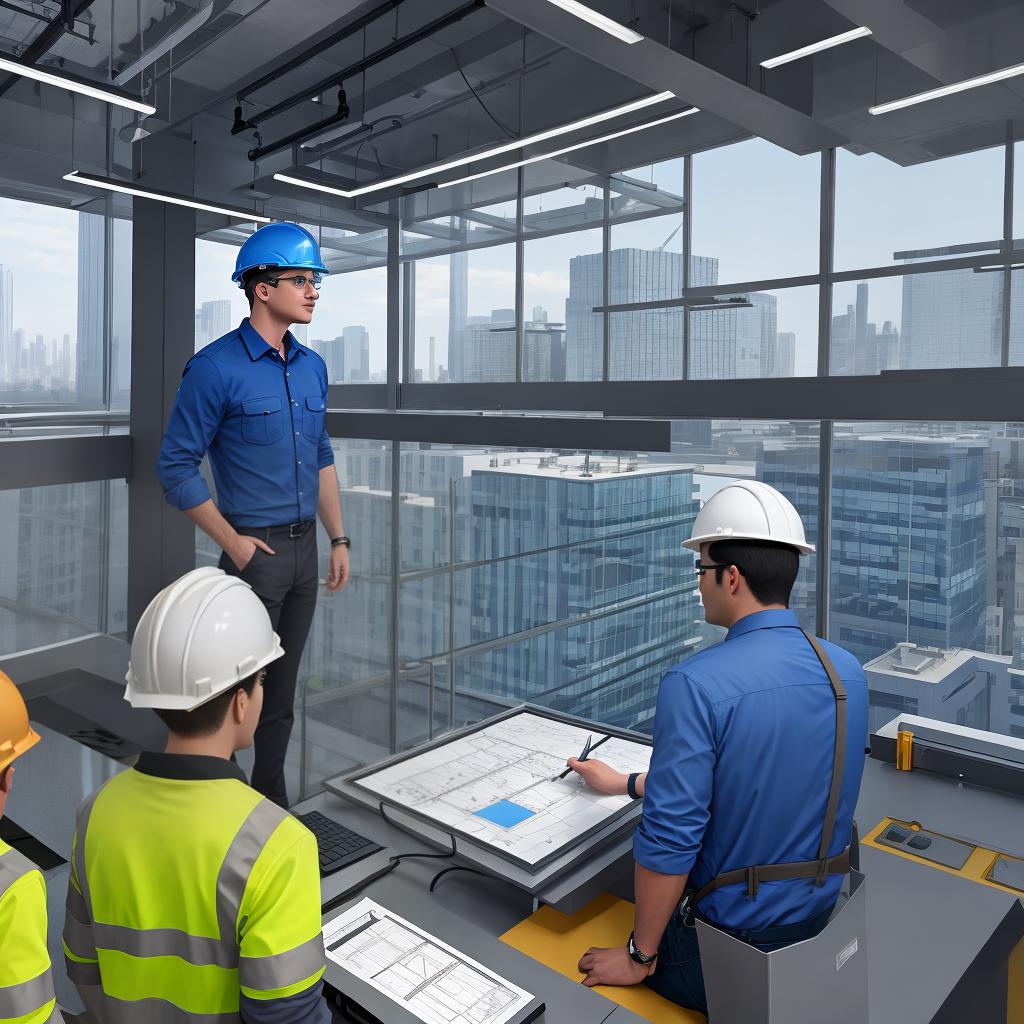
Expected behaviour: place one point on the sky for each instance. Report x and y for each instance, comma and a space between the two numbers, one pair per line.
754, 207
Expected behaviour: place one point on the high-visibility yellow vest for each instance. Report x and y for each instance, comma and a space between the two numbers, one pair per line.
187, 892
26, 985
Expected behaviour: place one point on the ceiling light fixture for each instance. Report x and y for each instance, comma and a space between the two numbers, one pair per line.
948, 90
613, 28
466, 158
113, 185
570, 149
106, 93
824, 44
335, 134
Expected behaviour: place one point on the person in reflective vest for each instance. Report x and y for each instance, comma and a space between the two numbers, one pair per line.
756, 767
26, 982
192, 898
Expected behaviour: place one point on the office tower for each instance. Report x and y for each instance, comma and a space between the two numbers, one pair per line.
858, 346
89, 345
213, 320
431, 364
908, 542
7, 351
734, 341
332, 351
356, 353
458, 310
489, 348
543, 348
783, 361
952, 318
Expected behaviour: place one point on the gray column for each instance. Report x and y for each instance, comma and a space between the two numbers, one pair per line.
161, 540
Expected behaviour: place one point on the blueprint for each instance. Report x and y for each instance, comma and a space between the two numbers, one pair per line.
428, 977
499, 785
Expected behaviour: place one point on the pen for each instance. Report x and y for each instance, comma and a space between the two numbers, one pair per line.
582, 757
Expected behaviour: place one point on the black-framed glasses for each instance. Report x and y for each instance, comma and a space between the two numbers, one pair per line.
298, 280
700, 568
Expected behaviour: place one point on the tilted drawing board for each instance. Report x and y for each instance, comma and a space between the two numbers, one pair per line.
495, 787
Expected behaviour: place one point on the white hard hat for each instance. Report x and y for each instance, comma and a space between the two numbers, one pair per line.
206, 632
749, 510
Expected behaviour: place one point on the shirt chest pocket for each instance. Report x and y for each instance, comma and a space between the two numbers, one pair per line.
262, 420
313, 418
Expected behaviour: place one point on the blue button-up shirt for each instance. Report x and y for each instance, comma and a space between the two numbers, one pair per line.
744, 738
262, 420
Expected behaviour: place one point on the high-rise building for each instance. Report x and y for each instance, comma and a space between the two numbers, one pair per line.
213, 320
908, 542
89, 355
858, 346
356, 353
783, 360
8, 360
458, 311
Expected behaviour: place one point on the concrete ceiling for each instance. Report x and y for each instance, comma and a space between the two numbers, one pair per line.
533, 66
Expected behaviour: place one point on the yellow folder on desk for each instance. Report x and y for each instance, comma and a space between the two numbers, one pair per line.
558, 941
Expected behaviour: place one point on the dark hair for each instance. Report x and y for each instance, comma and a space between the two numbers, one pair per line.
206, 719
769, 569
251, 278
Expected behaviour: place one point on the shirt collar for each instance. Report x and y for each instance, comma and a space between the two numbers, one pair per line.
188, 767
257, 347
771, 619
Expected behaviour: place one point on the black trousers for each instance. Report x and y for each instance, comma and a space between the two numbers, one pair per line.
286, 583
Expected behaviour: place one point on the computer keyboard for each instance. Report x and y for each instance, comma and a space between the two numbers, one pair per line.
338, 846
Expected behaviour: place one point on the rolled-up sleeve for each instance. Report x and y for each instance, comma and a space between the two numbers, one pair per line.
198, 411
680, 782
324, 451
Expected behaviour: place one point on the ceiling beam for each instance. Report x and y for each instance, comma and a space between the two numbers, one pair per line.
47, 39
659, 68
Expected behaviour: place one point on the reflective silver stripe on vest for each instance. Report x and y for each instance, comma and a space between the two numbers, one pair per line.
21, 1000
13, 866
196, 949
151, 1011
234, 873
78, 937
283, 969
81, 829
56, 1017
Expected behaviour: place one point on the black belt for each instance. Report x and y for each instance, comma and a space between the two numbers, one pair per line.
292, 530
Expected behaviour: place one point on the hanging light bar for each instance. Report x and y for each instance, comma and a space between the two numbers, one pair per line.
62, 80
570, 149
466, 158
113, 185
823, 44
948, 90
598, 20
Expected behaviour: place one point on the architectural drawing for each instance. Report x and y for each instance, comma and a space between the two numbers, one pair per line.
500, 785
429, 978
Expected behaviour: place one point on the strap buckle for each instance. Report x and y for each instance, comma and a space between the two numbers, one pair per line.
296, 530
688, 909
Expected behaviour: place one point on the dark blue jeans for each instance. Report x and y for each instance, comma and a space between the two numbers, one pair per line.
679, 976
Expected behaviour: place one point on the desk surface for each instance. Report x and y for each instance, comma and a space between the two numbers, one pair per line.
466, 910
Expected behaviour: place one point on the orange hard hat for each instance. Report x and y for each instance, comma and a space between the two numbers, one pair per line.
16, 735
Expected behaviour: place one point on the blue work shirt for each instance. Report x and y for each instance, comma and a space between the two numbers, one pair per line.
262, 420
744, 738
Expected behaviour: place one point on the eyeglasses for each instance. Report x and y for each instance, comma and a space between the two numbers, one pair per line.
298, 280
261, 678
701, 568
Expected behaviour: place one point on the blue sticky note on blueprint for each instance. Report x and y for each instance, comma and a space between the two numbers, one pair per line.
505, 813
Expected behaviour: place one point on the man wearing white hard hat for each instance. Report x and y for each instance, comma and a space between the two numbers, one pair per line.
757, 762
191, 896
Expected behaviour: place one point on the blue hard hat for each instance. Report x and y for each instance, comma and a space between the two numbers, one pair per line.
281, 244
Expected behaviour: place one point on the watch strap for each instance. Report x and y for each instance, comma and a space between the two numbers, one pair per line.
337, 541
631, 785
637, 955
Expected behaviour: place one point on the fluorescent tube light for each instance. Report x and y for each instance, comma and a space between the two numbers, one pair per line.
335, 133
613, 28
113, 185
570, 149
824, 44
106, 93
948, 90
506, 147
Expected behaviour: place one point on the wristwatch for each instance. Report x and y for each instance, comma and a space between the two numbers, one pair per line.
337, 541
637, 955
631, 785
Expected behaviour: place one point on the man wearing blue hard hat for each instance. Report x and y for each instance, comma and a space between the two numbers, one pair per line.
255, 400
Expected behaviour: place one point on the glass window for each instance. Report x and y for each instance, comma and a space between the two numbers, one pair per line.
920, 321
754, 334
927, 569
350, 326
563, 279
465, 321
121, 314
1016, 317
220, 303
52, 286
1018, 195
651, 189
63, 569
945, 208
756, 211
553, 203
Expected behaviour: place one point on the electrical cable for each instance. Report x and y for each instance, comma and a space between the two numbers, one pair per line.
508, 131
